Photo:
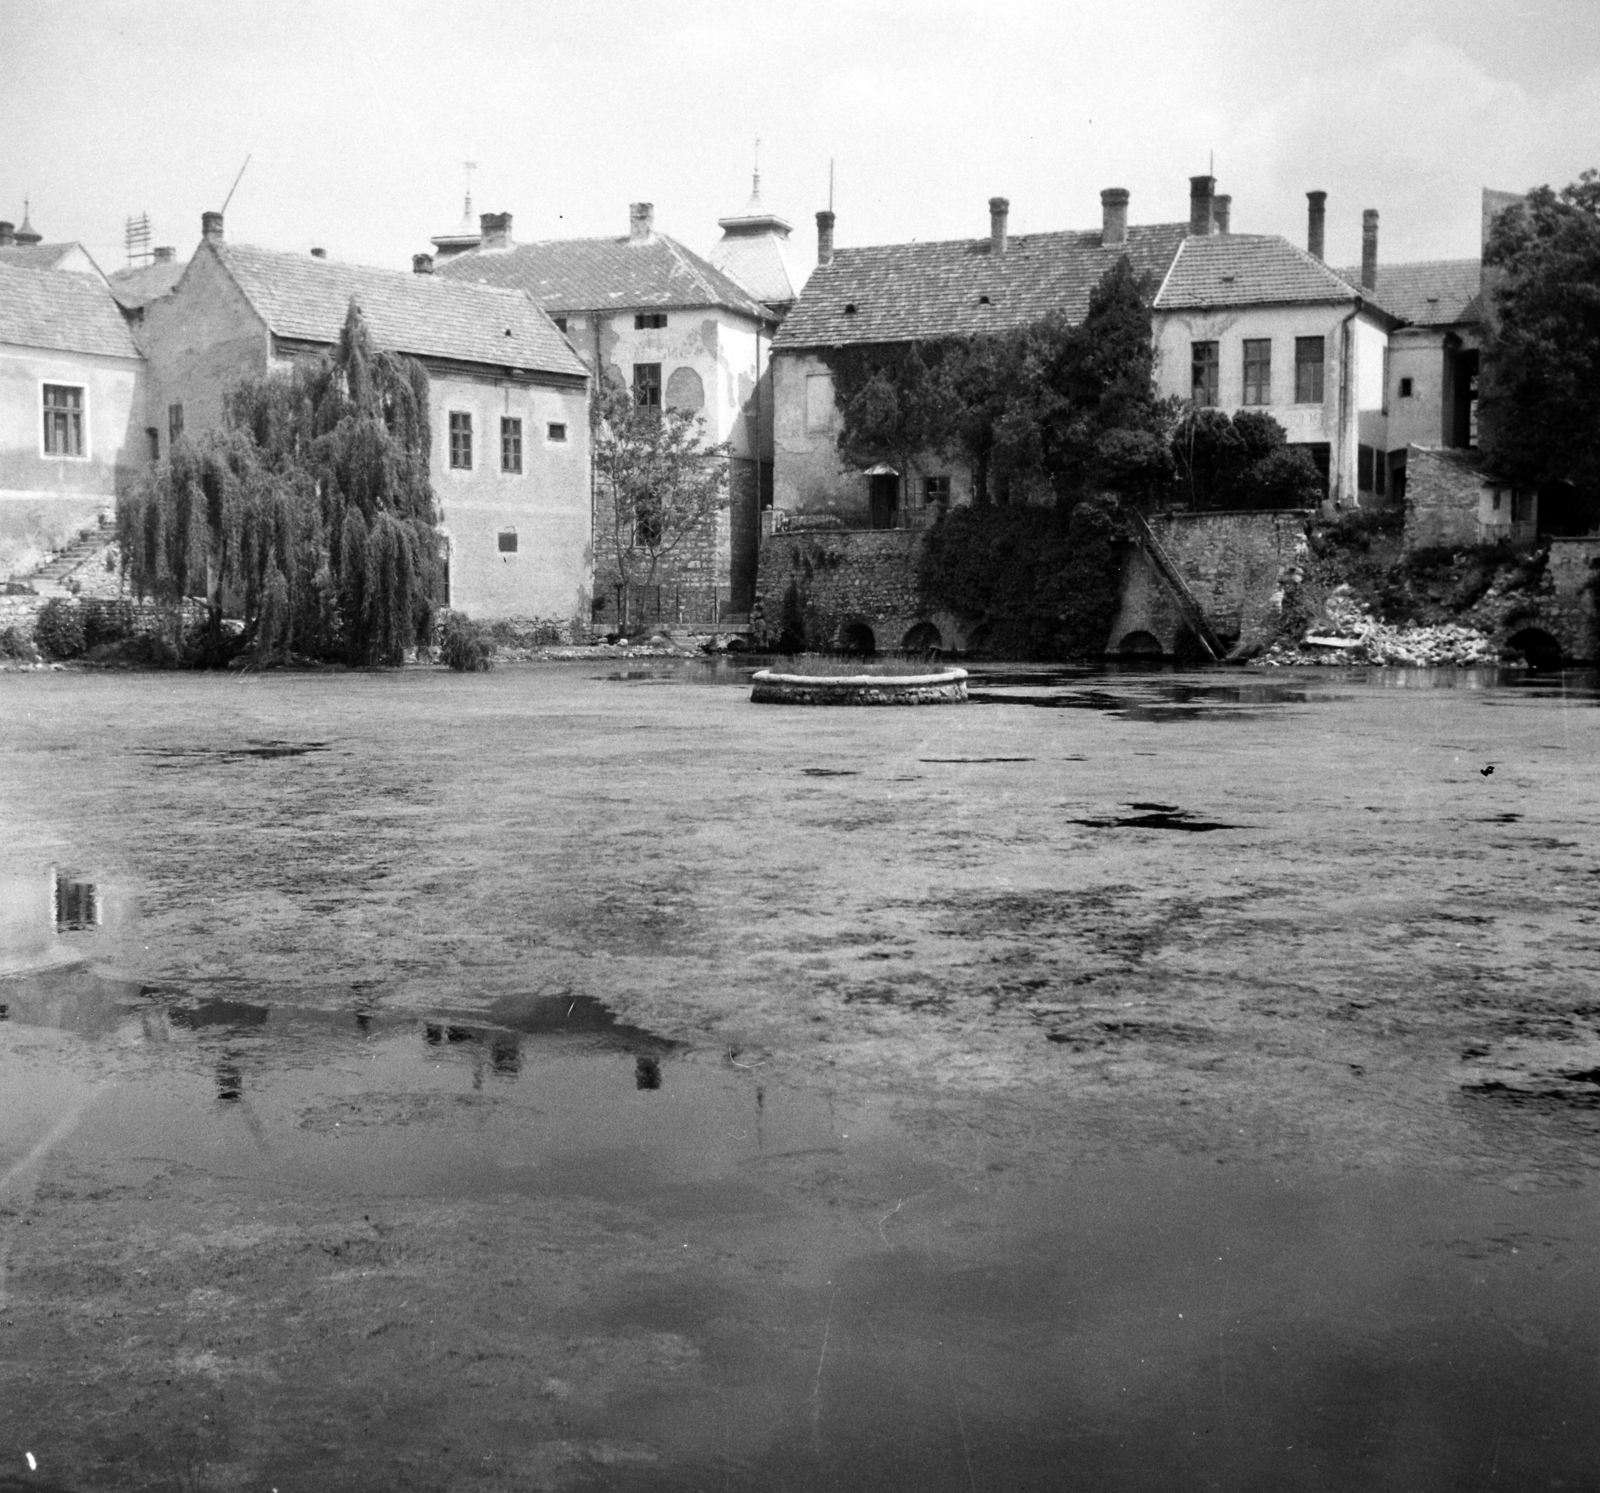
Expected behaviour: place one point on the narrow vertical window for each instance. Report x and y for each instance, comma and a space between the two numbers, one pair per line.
1203, 379
63, 420
510, 444
460, 441
647, 385
153, 436
174, 424
1257, 370
1308, 370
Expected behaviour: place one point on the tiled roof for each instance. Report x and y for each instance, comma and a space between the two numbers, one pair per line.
1429, 292
35, 256
897, 292
765, 264
423, 315
64, 313
138, 287
1238, 269
596, 274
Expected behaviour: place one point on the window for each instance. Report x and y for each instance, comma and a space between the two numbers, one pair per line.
174, 424
935, 490
561, 324
819, 401
153, 437
1364, 466
508, 541
555, 432
1308, 370
1203, 379
647, 385
63, 420
645, 320
1258, 370
1405, 388
510, 444
460, 440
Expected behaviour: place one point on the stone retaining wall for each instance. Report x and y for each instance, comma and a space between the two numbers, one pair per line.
1570, 613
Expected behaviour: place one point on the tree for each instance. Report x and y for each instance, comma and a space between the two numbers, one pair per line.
1241, 462
309, 512
660, 486
1540, 385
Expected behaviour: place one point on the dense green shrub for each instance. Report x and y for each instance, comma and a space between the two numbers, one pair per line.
465, 645
58, 629
106, 621
1043, 582
15, 648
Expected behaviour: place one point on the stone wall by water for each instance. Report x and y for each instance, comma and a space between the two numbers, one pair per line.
1570, 611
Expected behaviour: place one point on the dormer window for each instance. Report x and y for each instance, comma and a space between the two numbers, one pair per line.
983, 300
849, 308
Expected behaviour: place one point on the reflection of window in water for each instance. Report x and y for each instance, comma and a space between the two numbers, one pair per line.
77, 905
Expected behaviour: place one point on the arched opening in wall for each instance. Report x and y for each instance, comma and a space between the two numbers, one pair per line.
857, 639
923, 639
1140, 644
980, 639
1541, 650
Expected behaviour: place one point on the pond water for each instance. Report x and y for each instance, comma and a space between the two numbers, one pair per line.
572, 1078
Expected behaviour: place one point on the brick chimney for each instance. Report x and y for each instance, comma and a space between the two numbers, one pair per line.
1369, 249
1114, 216
825, 237
319, 253
211, 227
1222, 211
1316, 223
496, 230
999, 211
422, 264
1200, 192
165, 254
8, 235
641, 221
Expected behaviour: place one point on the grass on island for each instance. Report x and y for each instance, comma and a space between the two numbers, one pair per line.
821, 666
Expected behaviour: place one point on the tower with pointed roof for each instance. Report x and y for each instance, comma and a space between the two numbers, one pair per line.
466, 235
27, 234
755, 253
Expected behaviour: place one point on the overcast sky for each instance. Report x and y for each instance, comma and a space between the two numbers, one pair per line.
358, 114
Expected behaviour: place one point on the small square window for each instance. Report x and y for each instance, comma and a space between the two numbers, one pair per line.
460, 441
555, 432
1405, 388
63, 420
508, 541
510, 444
646, 320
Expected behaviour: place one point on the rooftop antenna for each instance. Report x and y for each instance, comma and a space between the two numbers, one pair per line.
830, 184
136, 238
234, 188
466, 208
755, 180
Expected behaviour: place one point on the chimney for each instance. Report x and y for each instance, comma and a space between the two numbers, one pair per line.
1369, 249
999, 211
496, 230
166, 254
211, 227
1200, 190
8, 235
1114, 216
1221, 210
1316, 222
319, 253
422, 264
641, 221
825, 236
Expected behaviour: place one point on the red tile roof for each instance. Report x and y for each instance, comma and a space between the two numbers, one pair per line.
62, 313
1238, 269
604, 274
903, 292
301, 297
1428, 292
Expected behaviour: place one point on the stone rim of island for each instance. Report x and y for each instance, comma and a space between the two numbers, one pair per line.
937, 687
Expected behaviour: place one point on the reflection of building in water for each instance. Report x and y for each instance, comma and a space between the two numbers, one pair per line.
77, 904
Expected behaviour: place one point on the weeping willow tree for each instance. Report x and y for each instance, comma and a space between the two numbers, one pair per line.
309, 513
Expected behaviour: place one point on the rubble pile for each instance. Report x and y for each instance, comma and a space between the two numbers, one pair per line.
1347, 633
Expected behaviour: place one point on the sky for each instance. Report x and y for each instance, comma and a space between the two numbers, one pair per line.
357, 115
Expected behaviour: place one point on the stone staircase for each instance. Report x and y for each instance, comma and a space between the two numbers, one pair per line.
55, 576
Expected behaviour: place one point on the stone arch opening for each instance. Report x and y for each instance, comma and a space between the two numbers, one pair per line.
924, 637
858, 640
1140, 644
1541, 650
